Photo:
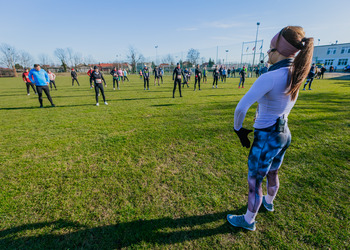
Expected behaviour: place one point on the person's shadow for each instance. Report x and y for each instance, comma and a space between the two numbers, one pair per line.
158, 232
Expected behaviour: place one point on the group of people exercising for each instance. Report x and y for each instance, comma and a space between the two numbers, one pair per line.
41, 79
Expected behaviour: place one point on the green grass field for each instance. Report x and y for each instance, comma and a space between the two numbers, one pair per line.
150, 171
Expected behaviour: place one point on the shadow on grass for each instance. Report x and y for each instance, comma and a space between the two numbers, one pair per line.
36, 107
163, 105
163, 231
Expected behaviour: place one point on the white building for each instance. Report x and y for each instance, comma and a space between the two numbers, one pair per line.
336, 55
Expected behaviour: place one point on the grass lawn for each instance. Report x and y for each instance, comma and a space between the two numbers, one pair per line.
150, 171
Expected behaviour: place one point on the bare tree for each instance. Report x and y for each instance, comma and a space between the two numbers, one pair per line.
44, 59
134, 57
89, 60
70, 57
61, 54
77, 59
168, 59
193, 56
25, 59
9, 56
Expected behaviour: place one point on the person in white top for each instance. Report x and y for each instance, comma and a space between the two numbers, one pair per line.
52, 77
276, 92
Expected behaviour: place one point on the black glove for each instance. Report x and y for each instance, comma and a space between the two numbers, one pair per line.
243, 136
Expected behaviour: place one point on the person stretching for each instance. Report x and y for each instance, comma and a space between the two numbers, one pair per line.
97, 78
216, 74
27, 81
52, 77
41, 80
74, 76
177, 74
242, 74
145, 73
114, 74
197, 73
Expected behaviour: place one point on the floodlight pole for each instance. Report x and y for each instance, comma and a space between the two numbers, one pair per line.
226, 56
156, 53
256, 39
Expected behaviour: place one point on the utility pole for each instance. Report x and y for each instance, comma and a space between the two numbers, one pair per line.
156, 53
256, 39
217, 53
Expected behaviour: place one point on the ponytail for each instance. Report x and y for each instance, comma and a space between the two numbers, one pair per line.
302, 62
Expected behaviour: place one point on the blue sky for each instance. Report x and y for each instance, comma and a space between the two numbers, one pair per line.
104, 29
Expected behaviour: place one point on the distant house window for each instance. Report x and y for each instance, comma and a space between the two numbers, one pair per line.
328, 62
342, 62
331, 51
345, 50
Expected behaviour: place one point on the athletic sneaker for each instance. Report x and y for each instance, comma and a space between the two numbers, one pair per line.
310, 89
113, 88
106, 103
97, 104
148, 89
118, 88
216, 86
239, 221
269, 207
41, 106
53, 105
28, 94
239, 87
242, 87
303, 88
213, 86
144, 89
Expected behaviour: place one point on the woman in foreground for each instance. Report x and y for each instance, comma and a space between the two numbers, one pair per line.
276, 92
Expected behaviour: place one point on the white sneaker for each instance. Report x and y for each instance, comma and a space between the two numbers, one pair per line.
98, 94
113, 88
97, 104
118, 88
28, 94
106, 103
216, 86
213, 86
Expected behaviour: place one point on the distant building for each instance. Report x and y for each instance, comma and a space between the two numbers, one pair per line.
336, 55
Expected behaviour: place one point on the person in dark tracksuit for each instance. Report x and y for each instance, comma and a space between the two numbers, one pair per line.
310, 76
145, 73
156, 73
74, 76
97, 78
185, 73
41, 80
114, 74
198, 75
216, 75
28, 82
242, 74
205, 73
177, 75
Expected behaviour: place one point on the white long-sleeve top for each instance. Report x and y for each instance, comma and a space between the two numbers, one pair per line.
269, 90
52, 76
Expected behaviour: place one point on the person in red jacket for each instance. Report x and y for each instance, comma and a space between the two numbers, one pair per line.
28, 81
89, 74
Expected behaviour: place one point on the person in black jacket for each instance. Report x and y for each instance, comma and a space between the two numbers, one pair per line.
145, 73
242, 74
74, 76
198, 75
114, 74
216, 74
156, 73
178, 73
97, 78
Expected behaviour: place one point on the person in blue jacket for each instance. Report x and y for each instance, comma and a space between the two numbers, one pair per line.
41, 80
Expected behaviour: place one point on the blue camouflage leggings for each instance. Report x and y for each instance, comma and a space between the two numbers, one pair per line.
265, 158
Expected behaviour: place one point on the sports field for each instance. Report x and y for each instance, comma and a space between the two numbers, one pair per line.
150, 171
